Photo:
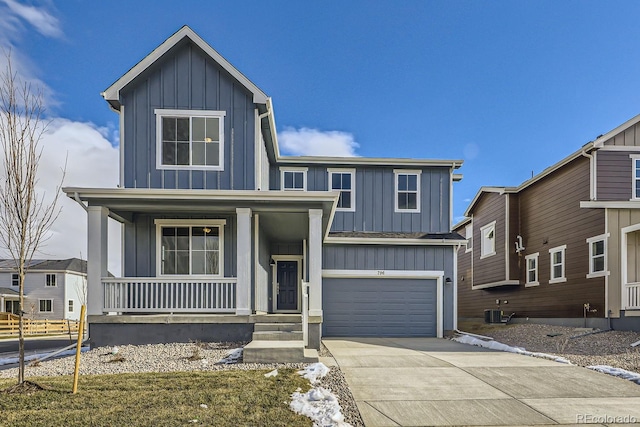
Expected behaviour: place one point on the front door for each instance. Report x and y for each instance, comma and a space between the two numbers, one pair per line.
287, 285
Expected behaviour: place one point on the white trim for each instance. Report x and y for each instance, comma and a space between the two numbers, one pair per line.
599, 142
219, 223
455, 287
121, 147
635, 167
371, 161
483, 254
468, 229
536, 282
604, 238
418, 174
352, 190
623, 261
631, 204
401, 274
391, 241
160, 113
274, 281
293, 169
257, 152
563, 277
628, 148
112, 93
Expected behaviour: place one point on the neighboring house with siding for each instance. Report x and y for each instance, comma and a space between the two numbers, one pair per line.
53, 289
223, 235
563, 244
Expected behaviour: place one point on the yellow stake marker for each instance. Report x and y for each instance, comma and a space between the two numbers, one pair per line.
78, 347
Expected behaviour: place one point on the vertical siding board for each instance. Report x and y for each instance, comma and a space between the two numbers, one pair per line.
183, 87
226, 102
155, 101
143, 253
243, 150
130, 252
141, 135
129, 143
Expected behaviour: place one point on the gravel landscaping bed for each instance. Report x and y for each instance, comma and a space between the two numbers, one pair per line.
575, 344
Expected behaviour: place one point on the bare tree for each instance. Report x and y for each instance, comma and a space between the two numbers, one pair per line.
25, 215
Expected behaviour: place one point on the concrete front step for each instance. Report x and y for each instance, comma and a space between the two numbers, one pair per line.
258, 351
277, 318
278, 336
273, 327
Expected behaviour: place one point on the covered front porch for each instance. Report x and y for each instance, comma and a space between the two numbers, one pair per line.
261, 254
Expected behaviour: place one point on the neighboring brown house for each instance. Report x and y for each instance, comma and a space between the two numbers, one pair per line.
563, 244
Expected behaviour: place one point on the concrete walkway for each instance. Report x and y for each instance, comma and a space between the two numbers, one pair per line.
436, 382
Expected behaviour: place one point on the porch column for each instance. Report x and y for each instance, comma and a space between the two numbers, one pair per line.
315, 262
243, 243
97, 251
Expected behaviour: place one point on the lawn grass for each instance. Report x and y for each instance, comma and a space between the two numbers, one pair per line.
479, 327
233, 398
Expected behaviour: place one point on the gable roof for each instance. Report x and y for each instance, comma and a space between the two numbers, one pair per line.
112, 93
72, 264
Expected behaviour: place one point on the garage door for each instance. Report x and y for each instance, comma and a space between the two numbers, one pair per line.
392, 307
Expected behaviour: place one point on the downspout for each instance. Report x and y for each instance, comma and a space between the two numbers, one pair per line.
76, 197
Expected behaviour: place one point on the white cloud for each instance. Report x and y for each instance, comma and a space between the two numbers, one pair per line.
313, 142
38, 17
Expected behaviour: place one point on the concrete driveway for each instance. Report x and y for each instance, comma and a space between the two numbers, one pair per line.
436, 382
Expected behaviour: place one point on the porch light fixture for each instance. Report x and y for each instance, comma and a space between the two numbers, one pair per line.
272, 261
447, 281
206, 230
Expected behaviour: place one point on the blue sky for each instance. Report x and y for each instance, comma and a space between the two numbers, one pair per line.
510, 87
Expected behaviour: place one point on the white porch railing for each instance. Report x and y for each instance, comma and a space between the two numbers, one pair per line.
633, 295
169, 295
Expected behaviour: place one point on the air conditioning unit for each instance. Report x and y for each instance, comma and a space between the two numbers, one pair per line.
493, 316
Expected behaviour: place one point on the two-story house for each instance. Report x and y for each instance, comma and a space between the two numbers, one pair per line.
224, 237
53, 289
564, 246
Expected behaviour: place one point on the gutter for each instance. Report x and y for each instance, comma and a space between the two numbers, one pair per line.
76, 197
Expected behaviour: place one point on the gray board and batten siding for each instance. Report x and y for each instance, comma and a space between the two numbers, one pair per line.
614, 176
374, 199
186, 78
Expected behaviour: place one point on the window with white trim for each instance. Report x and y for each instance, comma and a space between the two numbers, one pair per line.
45, 305
635, 171
557, 261
488, 243
344, 181
15, 280
597, 256
468, 234
532, 269
70, 303
293, 179
194, 248
407, 189
190, 139
50, 279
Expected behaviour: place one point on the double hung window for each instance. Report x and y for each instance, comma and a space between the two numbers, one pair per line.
293, 179
532, 269
407, 191
557, 259
343, 180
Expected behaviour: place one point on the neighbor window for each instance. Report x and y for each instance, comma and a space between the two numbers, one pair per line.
194, 248
46, 305
70, 306
192, 139
597, 256
344, 181
293, 179
407, 191
488, 244
15, 280
635, 159
50, 279
468, 234
557, 258
532, 269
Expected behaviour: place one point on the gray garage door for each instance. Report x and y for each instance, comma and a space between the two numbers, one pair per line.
379, 307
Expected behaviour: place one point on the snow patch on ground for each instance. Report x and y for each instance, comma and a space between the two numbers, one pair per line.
233, 356
29, 358
494, 345
617, 372
319, 403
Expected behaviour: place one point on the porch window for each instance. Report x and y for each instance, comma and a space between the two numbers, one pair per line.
293, 179
532, 269
15, 280
635, 159
488, 243
50, 280
45, 305
190, 248
407, 191
557, 256
190, 139
344, 181
597, 256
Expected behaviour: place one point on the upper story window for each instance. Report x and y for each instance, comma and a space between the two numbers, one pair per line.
597, 256
190, 247
293, 179
532, 269
635, 161
407, 191
15, 280
344, 181
488, 243
190, 139
468, 234
557, 255
50, 279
